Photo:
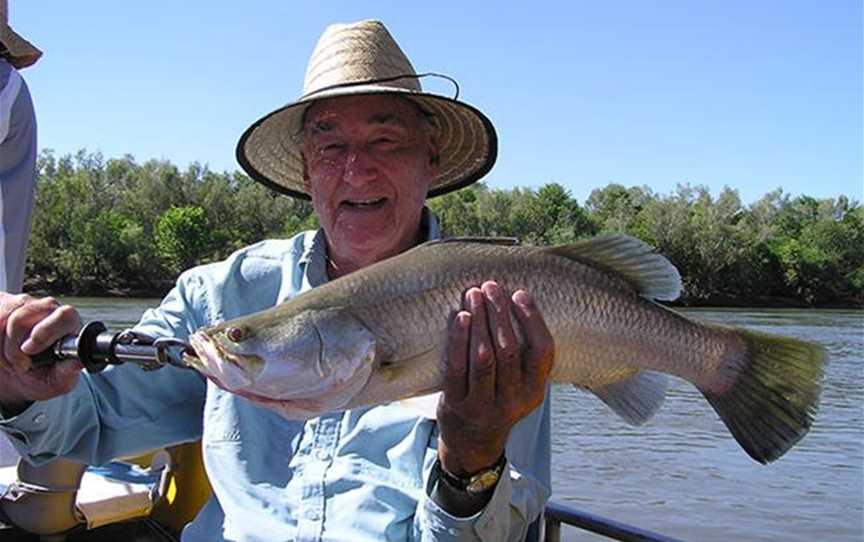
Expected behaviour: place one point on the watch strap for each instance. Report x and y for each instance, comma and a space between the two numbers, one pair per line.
475, 483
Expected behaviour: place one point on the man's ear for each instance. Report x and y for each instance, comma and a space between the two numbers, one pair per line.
307, 185
434, 152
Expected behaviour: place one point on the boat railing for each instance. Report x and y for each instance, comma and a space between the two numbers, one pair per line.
557, 514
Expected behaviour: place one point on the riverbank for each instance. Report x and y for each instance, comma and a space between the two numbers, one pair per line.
764, 302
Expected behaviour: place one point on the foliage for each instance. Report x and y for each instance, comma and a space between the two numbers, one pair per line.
118, 226
183, 237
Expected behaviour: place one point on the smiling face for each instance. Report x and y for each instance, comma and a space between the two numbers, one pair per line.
368, 163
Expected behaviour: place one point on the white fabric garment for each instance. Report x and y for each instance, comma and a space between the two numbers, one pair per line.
8, 455
7, 100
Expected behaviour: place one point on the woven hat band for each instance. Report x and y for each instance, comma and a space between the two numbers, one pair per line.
379, 84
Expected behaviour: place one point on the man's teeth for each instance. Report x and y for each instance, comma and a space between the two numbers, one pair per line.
366, 202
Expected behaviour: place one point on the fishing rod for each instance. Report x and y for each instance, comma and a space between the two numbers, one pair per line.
98, 348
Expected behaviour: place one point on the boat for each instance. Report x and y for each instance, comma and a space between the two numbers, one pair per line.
150, 498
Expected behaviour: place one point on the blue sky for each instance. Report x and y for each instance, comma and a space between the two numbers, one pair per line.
754, 95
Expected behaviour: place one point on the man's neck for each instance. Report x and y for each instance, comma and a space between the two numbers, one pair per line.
337, 267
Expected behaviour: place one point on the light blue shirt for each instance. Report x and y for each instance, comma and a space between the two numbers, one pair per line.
356, 475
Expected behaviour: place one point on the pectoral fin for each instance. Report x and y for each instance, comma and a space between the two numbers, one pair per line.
636, 399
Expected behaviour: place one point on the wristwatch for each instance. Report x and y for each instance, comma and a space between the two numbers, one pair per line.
476, 483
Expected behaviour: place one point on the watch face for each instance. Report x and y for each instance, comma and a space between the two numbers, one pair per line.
483, 481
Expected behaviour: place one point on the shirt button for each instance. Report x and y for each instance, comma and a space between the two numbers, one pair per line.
311, 514
322, 455
39, 418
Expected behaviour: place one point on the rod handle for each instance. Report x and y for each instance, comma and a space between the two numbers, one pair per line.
92, 346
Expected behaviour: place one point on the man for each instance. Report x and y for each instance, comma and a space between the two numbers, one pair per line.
367, 146
17, 166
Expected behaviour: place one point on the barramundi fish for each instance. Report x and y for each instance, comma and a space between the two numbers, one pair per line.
378, 335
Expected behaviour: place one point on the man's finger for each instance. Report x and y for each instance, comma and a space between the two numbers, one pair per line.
63, 321
539, 343
8, 305
508, 367
19, 326
456, 375
15, 334
481, 358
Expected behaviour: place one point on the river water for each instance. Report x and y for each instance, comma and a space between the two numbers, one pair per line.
682, 474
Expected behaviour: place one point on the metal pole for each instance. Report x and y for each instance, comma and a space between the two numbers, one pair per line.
557, 513
553, 529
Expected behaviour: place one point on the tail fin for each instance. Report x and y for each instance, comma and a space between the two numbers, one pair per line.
773, 400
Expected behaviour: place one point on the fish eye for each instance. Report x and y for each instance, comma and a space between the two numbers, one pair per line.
235, 334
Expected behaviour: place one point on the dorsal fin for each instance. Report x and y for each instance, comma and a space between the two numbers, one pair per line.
650, 273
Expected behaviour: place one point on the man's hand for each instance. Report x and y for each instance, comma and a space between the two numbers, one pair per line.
29, 326
492, 381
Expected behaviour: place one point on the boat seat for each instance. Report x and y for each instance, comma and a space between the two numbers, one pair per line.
167, 486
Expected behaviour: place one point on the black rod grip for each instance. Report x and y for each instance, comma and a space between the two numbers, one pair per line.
47, 358
91, 346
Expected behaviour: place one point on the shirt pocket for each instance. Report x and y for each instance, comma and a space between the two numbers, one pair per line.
231, 418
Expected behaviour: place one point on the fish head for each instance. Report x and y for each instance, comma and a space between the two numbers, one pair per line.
302, 366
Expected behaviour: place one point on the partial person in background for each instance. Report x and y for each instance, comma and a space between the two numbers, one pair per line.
17, 166
17, 152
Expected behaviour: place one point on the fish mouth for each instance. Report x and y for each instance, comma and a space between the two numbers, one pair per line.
206, 351
236, 371
211, 351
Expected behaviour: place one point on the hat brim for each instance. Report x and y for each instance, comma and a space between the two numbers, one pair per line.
269, 150
19, 52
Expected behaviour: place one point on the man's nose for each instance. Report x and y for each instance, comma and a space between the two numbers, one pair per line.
359, 166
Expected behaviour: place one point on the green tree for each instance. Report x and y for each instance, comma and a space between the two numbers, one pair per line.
615, 208
457, 213
183, 238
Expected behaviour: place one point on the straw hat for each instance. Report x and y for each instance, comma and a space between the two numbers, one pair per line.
19, 52
363, 58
